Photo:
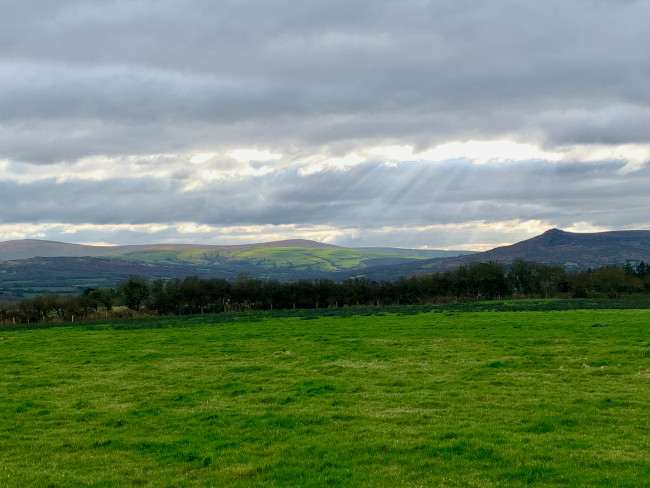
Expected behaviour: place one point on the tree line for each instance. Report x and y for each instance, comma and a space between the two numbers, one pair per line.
469, 282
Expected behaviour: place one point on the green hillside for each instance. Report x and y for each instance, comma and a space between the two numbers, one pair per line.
296, 258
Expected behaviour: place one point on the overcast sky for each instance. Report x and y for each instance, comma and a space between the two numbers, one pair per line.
443, 124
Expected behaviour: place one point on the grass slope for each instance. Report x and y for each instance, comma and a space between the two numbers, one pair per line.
297, 258
443, 398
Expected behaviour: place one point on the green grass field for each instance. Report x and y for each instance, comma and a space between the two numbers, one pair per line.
441, 398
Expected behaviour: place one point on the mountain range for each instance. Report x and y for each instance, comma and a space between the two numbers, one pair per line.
31, 267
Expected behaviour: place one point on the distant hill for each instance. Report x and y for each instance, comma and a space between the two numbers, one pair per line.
31, 248
425, 253
33, 267
577, 251
572, 251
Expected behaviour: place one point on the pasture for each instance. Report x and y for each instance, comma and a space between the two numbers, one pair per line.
438, 398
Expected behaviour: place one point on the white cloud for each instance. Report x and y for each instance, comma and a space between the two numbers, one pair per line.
320, 164
23, 231
479, 152
585, 227
201, 158
246, 155
261, 171
634, 156
394, 152
193, 228
211, 175
482, 152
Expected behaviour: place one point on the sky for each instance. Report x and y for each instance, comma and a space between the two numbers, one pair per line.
460, 124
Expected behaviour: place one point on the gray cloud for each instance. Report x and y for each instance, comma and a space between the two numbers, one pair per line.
122, 79
220, 62
369, 195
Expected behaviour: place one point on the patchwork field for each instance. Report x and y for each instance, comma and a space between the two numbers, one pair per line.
442, 398
30, 277
296, 258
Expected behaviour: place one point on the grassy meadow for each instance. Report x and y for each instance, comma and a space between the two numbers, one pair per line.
384, 398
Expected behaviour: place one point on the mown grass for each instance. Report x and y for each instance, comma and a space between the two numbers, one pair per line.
422, 398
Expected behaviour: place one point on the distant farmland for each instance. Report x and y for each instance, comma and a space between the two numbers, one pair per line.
29, 277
